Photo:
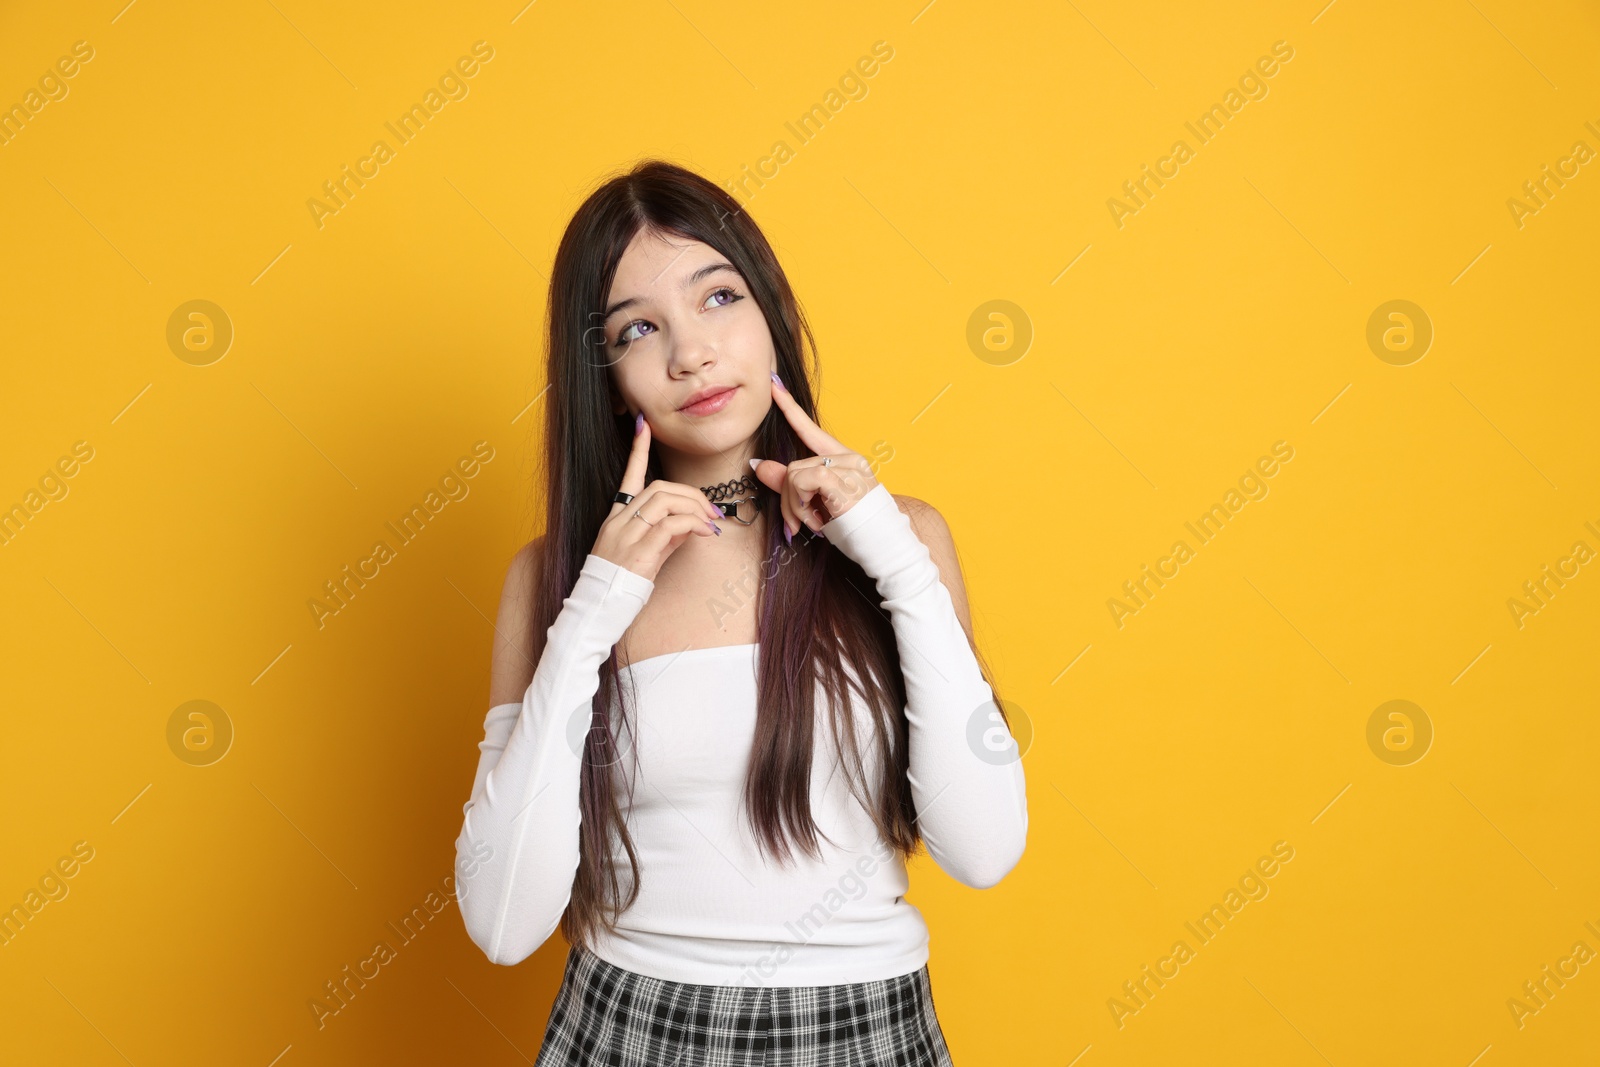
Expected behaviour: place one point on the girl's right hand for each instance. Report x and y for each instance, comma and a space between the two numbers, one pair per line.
641, 534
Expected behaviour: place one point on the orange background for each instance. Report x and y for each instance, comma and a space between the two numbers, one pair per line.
1166, 354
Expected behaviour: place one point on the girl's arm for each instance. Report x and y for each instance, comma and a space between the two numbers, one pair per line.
966, 776
517, 853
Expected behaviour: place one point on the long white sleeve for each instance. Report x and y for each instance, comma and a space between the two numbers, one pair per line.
517, 852
965, 773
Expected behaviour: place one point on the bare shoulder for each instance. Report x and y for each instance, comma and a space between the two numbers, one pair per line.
515, 654
925, 518
932, 529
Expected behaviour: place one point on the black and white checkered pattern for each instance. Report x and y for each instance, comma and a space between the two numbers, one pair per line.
607, 1015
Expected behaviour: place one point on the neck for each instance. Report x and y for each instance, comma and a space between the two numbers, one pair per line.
706, 470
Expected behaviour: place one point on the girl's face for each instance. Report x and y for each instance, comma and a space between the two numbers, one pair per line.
680, 323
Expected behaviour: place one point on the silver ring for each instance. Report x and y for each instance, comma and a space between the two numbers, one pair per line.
641, 518
827, 461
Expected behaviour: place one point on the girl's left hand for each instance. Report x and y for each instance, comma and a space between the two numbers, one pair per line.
811, 492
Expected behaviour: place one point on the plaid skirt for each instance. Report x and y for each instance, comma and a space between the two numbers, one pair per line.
604, 1014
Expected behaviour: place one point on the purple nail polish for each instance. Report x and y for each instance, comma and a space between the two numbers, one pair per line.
714, 528
724, 514
779, 380
788, 538
638, 424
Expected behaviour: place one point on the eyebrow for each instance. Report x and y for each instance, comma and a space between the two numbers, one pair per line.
709, 268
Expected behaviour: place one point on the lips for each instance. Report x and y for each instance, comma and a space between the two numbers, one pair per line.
708, 400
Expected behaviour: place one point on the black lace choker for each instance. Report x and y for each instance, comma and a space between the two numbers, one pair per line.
729, 495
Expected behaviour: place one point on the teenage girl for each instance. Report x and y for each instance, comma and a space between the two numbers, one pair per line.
733, 685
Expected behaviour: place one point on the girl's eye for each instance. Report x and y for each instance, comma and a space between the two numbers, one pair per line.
623, 340
732, 296
625, 336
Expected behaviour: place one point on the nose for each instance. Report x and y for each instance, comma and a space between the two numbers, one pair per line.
691, 351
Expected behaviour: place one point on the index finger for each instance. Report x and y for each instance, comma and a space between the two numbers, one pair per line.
638, 458
815, 437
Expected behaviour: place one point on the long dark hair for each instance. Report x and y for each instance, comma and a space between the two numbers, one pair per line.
817, 611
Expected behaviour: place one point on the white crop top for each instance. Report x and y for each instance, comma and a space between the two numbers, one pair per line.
711, 908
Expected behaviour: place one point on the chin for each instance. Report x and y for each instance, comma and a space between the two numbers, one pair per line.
723, 438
